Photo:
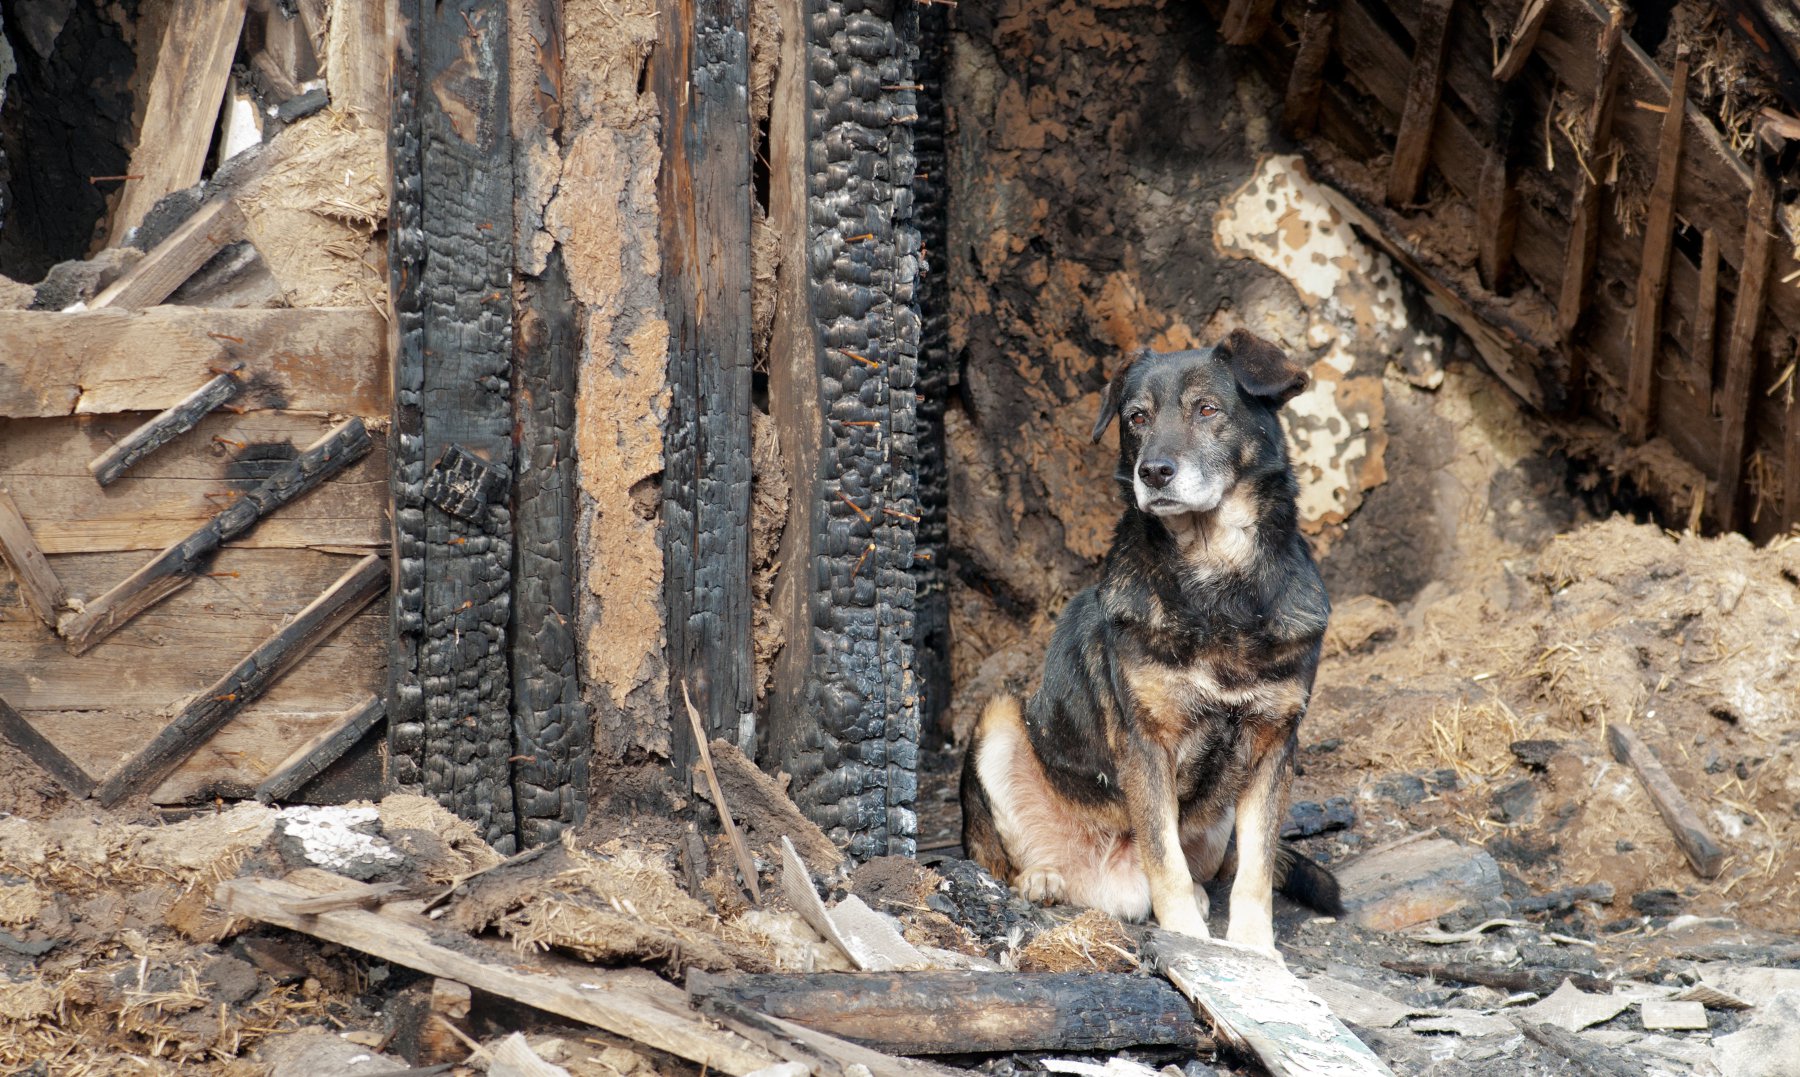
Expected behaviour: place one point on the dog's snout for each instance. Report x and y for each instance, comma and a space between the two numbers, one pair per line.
1156, 473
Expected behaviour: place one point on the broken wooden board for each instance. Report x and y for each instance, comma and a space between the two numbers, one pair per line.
95, 362
170, 493
762, 807
322, 749
20, 551
869, 941
939, 1012
1691, 832
1413, 880
199, 42
624, 1005
1255, 1004
214, 226
165, 427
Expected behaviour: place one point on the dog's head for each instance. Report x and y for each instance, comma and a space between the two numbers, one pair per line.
1193, 424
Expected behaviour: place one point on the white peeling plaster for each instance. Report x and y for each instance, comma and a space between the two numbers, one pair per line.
328, 837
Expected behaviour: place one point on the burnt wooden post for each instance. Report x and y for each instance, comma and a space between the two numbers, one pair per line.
450, 263
843, 383
702, 77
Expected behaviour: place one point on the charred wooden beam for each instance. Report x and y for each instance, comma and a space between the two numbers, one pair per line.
36, 747
1584, 227
1521, 41
1653, 266
1412, 146
1740, 351
178, 565
165, 427
42, 591
1300, 104
450, 721
923, 1013
324, 748
931, 481
208, 712
212, 228
1245, 21
199, 42
843, 384
705, 193
1497, 201
1706, 313
1691, 833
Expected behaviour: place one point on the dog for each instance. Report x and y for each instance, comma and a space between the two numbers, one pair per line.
1173, 689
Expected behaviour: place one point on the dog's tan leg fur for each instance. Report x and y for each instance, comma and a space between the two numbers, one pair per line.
1252, 892
1156, 821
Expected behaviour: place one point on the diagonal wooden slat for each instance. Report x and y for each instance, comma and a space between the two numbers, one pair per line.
23, 736
165, 427
324, 748
1653, 265
1740, 353
213, 227
43, 592
1412, 146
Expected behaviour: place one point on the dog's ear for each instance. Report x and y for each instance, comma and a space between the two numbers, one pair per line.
1261, 368
1109, 400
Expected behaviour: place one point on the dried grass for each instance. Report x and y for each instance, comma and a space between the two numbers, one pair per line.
1091, 942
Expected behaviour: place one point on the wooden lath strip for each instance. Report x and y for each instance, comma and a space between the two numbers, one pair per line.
1740, 353
23, 736
1412, 147
1584, 228
1245, 21
212, 227
177, 566
321, 750
1522, 40
1497, 203
1300, 105
208, 712
165, 427
1653, 265
1706, 315
42, 591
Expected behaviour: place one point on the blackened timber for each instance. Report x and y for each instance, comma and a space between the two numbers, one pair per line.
208, 712
1584, 227
178, 565
450, 720
165, 427
321, 750
36, 747
1300, 104
550, 728
1740, 352
1412, 146
931, 550
843, 384
38, 584
1653, 265
705, 194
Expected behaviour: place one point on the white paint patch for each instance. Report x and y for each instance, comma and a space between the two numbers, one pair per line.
330, 840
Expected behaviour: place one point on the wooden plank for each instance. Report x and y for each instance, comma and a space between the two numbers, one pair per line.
322, 749
1521, 41
1245, 21
218, 703
1300, 103
1691, 833
1740, 351
1653, 267
450, 264
650, 1012
42, 591
1706, 315
934, 1012
177, 565
192, 65
1258, 1007
356, 60
705, 191
20, 734
163, 499
165, 427
104, 361
1412, 146
212, 228
1496, 201
1584, 227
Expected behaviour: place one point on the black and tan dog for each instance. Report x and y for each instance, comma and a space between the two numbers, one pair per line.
1173, 689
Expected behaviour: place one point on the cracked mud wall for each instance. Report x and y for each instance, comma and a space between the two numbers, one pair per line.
1116, 184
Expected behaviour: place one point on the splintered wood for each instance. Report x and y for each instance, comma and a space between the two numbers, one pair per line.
1691, 832
42, 590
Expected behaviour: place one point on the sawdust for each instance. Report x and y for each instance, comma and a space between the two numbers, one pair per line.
769, 491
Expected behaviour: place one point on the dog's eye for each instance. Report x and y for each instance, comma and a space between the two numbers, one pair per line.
1206, 411
1138, 418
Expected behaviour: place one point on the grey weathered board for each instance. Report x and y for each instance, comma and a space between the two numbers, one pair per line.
704, 189
450, 264
843, 379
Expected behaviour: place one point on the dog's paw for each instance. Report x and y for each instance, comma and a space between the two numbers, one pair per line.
1041, 885
1268, 952
1257, 936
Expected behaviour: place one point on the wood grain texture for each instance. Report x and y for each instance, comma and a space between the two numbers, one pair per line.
1691, 832
38, 584
1706, 315
1497, 200
450, 722
319, 751
1521, 41
105, 361
177, 565
704, 192
21, 735
1300, 102
214, 226
199, 43
216, 704
356, 59
1653, 268
644, 1008
165, 427
1412, 146
1740, 351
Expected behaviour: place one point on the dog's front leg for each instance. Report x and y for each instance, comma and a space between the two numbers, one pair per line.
1149, 786
1258, 818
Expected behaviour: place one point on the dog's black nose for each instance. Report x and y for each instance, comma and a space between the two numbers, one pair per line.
1156, 473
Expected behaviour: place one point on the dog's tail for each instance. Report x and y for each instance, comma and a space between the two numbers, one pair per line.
1306, 880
